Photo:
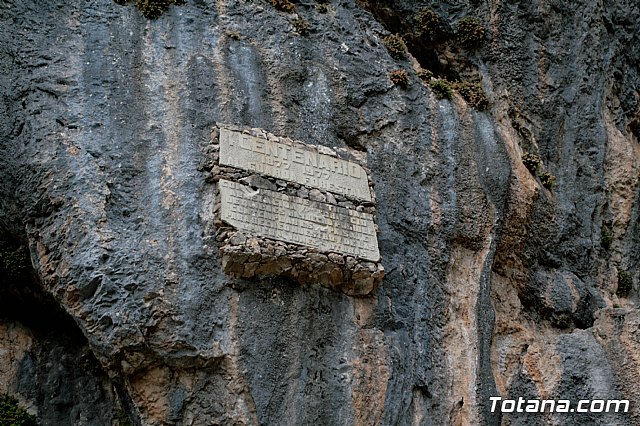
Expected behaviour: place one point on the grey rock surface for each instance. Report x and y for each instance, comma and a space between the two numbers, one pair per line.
46, 362
494, 285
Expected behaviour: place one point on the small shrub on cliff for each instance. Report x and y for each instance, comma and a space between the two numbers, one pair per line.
152, 9
425, 75
14, 261
605, 238
470, 32
301, 26
395, 45
123, 419
284, 5
441, 89
429, 25
11, 414
399, 78
531, 162
548, 180
625, 283
473, 94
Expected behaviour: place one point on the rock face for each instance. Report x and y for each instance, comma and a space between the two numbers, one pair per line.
495, 285
46, 362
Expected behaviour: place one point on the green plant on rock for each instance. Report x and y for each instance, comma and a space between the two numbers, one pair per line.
123, 418
424, 75
429, 25
470, 32
301, 26
14, 261
605, 238
531, 162
395, 45
441, 88
625, 283
399, 78
11, 414
473, 94
152, 9
284, 5
548, 180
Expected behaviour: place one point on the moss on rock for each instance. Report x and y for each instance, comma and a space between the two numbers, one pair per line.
625, 283
473, 94
470, 32
441, 88
429, 25
395, 45
399, 78
152, 9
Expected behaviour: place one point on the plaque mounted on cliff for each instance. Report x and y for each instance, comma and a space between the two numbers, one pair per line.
292, 209
302, 165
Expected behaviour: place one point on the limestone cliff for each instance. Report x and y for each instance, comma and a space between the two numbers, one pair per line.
495, 284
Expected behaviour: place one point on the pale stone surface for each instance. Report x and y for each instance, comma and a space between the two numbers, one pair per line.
258, 182
293, 163
315, 195
295, 220
15, 343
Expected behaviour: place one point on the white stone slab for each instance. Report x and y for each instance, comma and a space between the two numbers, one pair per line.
304, 166
297, 220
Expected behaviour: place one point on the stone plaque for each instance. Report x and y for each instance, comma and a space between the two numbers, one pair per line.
297, 220
295, 164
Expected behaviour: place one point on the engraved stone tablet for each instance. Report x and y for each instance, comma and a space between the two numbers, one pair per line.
295, 164
284, 208
297, 220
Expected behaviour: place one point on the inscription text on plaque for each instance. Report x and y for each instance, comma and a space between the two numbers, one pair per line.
297, 220
295, 164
